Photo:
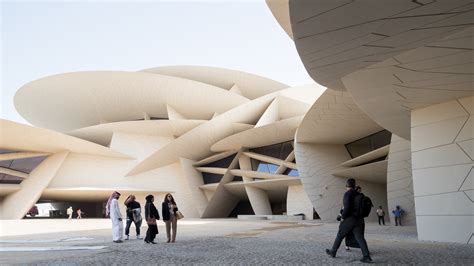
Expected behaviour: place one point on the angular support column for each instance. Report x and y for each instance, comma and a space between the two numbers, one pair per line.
400, 181
17, 204
194, 180
258, 197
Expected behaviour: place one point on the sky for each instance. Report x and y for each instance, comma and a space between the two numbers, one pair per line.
39, 39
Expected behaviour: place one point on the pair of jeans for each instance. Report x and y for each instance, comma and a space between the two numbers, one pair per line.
137, 226
357, 227
381, 220
172, 223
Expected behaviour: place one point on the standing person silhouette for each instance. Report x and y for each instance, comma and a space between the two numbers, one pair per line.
350, 223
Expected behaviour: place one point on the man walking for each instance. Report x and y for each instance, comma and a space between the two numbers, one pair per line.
381, 215
350, 223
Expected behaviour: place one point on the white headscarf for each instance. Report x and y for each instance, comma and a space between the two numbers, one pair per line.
113, 196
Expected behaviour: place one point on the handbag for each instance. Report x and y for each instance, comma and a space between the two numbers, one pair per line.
179, 215
151, 221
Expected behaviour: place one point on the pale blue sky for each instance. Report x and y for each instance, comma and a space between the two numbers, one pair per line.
41, 39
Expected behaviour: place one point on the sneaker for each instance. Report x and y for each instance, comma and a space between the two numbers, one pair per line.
330, 253
126, 237
367, 259
139, 237
348, 249
118, 241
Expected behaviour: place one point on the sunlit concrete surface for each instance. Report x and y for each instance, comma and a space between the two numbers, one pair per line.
231, 241
44, 226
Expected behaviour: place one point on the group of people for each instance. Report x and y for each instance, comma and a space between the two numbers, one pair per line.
69, 212
397, 214
169, 211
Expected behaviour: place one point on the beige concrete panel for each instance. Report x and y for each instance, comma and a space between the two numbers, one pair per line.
102, 134
270, 134
81, 171
372, 172
207, 134
86, 98
257, 197
21, 155
367, 157
9, 171
437, 180
307, 94
212, 170
281, 12
434, 228
15, 205
468, 104
316, 162
136, 145
436, 113
468, 147
446, 204
470, 194
335, 119
466, 131
330, 50
445, 155
173, 114
235, 89
400, 181
287, 162
298, 202
194, 180
6, 189
440, 133
289, 107
19, 137
250, 85
270, 115
215, 157
469, 182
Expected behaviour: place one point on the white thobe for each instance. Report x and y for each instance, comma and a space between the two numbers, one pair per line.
117, 225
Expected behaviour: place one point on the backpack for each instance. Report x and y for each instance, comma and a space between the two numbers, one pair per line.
362, 205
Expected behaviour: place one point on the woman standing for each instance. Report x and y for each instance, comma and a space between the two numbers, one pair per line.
169, 209
151, 215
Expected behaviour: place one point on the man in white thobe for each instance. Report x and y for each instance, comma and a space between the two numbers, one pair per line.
116, 217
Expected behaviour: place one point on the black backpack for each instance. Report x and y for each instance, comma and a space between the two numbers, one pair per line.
362, 205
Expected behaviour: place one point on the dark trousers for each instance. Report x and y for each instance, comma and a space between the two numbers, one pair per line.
151, 233
398, 221
137, 226
381, 220
356, 226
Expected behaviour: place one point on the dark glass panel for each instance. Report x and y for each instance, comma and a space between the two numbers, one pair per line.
209, 178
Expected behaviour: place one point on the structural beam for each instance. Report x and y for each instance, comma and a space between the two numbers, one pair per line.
21, 155
12, 172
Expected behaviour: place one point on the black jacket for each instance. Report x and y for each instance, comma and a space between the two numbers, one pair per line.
348, 202
151, 211
165, 211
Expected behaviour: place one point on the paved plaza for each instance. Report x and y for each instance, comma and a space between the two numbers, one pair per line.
224, 241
